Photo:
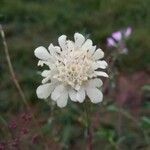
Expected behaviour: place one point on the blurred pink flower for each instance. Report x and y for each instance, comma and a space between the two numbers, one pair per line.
128, 32
117, 40
13, 125
117, 36
110, 42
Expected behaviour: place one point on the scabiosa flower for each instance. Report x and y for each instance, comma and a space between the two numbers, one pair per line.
73, 70
118, 38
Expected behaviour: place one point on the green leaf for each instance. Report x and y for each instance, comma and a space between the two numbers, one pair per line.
3, 120
145, 122
112, 108
146, 87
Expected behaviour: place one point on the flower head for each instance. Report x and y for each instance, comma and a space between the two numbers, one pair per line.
73, 70
118, 38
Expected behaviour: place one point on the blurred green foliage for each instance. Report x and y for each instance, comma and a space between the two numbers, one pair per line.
31, 23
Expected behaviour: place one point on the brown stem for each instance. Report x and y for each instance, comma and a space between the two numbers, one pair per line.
16, 83
89, 139
11, 67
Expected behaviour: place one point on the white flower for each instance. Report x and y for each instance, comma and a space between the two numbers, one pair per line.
73, 70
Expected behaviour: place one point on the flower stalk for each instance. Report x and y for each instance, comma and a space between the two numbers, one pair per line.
16, 82
88, 127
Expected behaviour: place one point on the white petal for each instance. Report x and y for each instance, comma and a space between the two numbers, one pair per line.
43, 91
100, 64
79, 39
95, 95
40, 63
57, 48
57, 92
48, 63
53, 49
54, 71
62, 42
45, 73
70, 45
92, 50
72, 95
45, 80
93, 83
101, 73
42, 53
98, 54
87, 45
62, 100
80, 95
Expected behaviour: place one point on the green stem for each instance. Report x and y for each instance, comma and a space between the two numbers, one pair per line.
88, 127
127, 115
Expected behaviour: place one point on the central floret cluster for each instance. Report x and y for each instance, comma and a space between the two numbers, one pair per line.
74, 68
